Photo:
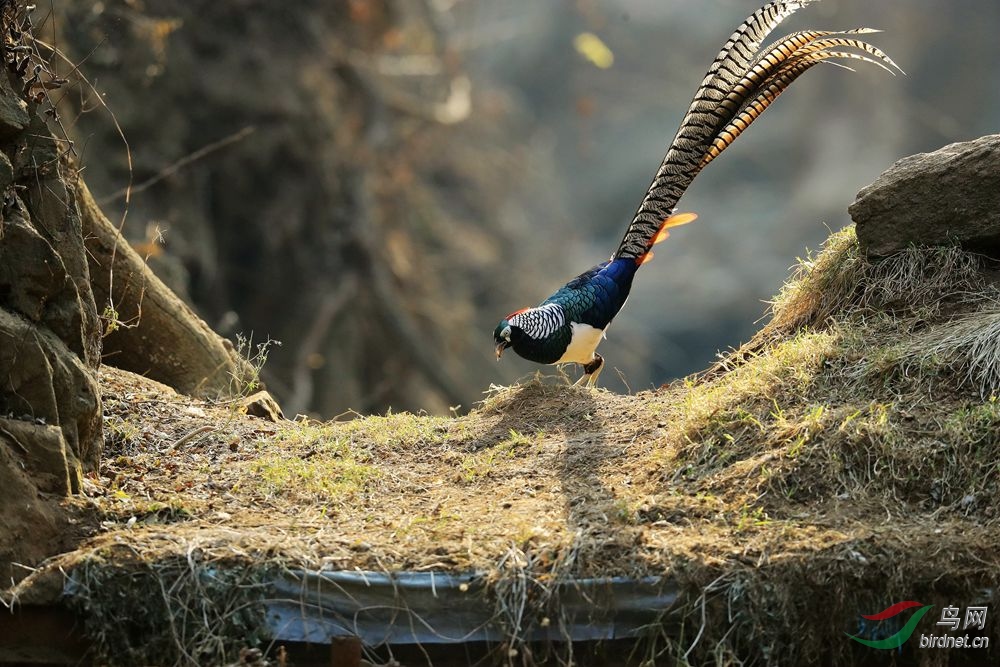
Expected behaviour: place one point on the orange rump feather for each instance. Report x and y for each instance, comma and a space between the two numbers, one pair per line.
676, 220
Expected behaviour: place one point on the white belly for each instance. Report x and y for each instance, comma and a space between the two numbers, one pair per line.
581, 347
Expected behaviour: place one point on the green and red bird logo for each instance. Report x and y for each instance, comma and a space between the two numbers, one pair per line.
895, 640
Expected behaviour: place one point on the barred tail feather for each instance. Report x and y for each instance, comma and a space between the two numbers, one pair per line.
772, 88
681, 163
741, 83
742, 45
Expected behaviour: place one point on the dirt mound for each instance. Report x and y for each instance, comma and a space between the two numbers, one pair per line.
838, 462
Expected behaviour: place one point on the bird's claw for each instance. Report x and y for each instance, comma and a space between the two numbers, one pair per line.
591, 371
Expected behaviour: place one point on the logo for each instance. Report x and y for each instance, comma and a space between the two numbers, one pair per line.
974, 619
895, 640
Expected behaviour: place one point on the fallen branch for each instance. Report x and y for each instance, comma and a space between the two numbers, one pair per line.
190, 436
168, 342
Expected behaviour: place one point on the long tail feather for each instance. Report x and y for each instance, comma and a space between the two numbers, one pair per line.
763, 66
830, 42
741, 83
778, 82
739, 49
699, 125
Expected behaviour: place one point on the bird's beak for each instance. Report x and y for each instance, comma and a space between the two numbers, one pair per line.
501, 346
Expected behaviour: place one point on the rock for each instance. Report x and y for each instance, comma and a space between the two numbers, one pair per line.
263, 405
53, 208
44, 455
31, 271
45, 381
950, 196
29, 523
6, 172
13, 110
50, 335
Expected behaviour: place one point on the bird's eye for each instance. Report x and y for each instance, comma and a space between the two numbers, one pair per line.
505, 334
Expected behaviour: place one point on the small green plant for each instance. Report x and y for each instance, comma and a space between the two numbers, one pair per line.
111, 319
256, 357
973, 422
752, 516
476, 466
480, 464
330, 476
121, 434
625, 511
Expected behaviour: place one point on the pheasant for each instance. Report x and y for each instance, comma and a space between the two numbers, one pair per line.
741, 83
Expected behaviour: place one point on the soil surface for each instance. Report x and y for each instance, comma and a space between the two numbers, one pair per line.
844, 459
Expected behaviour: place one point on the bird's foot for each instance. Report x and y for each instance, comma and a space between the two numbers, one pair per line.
592, 370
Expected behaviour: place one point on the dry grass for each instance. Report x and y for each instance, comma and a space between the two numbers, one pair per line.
184, 609
846, 458
968, 345
839, 283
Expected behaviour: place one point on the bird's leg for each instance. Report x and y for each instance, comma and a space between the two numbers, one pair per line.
593, 369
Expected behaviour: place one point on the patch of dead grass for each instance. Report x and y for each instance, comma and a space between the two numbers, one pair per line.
845, 459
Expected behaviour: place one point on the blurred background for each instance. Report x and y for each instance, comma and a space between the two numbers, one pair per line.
375, 183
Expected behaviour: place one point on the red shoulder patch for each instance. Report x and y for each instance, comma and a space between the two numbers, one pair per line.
516, 312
